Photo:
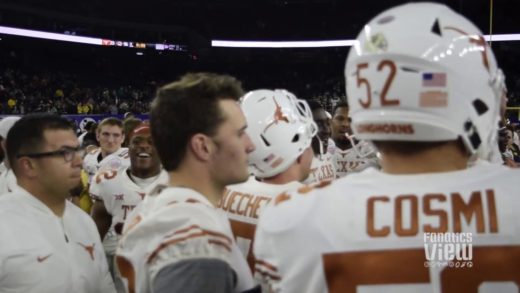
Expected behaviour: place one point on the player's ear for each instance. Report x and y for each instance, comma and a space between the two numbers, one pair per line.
201, 146
27, 167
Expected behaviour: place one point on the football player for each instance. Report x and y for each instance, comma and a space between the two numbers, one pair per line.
322, 167
116, 192
420, 85
281, 127
110, 154
351, 155
178, 241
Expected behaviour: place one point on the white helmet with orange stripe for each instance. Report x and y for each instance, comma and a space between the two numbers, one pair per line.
422, 72
281, 127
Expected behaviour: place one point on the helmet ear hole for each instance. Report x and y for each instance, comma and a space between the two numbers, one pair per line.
436, 28
265, 140
296, 138
474, 137
480, 106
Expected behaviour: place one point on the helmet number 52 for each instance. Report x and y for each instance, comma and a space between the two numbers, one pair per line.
389, 79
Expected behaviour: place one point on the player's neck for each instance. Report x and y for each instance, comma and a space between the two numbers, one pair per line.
324, 145
291, 174
201, 183
54, 202
145, 173
343, 145
442, 159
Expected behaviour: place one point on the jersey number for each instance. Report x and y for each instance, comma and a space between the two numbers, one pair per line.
244, 235
345, 271
361, 81
126, 270
108, 174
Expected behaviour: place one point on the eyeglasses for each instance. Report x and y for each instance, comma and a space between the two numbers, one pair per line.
68, 153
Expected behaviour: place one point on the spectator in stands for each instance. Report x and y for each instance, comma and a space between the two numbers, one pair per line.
512, 147
516, 133
11, 104
85, 108
507, 156
113, 109
59, 93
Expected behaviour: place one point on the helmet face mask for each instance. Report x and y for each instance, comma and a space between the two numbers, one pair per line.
280, 126
363, 149
421, 72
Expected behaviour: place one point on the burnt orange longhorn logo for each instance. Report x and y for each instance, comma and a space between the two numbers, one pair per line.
478, 40
278, 116
43, 258
89, 249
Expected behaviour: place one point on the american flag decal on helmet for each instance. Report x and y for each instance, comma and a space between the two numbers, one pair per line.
434, 79
269, 158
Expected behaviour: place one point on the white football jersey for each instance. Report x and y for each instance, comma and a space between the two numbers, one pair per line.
322, 168
116, 160
120, 196
244, 203
3, 167
7, 180
349, 161
374, 232
331, 146
41, 252
176, 224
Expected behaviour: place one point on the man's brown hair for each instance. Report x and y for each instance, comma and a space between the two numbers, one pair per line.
112, 121
186, 107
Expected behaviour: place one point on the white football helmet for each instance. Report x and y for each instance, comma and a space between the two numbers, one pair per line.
281, 127
421, 72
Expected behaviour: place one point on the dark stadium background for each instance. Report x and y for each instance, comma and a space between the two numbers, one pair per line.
309, 72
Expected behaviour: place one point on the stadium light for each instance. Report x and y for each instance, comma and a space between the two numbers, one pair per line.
87, 40
330, 43
48, 36
283, 44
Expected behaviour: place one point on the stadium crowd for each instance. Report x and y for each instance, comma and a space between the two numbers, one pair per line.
61, 93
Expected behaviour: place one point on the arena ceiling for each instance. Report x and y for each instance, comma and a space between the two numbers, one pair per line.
231, 19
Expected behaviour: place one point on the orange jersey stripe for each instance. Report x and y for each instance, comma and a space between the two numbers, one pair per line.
192, 227
191, 236
268, 275
217, 242
267, 265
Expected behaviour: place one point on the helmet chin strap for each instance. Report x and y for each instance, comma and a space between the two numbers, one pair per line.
321, 147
